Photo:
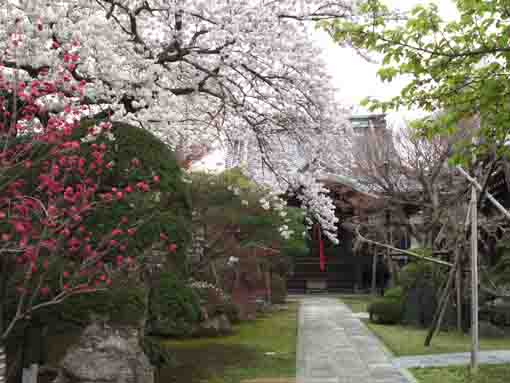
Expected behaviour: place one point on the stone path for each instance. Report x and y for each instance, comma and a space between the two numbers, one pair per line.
454, 359
336, 347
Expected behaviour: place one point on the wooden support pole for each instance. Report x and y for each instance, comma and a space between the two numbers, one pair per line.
443, 302
474, 281
458, 288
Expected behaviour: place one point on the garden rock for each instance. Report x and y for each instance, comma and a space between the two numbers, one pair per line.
214, 326
106, 354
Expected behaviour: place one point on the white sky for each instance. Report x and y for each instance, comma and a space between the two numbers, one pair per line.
354, 77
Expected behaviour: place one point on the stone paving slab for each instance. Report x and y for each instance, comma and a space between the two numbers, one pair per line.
454, 359
334, 346
270, 380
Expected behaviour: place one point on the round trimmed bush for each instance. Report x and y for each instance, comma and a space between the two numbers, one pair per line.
174, 307
394, 293
386, 311
121, 305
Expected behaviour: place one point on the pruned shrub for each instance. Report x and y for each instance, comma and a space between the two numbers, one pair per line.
174, 307
122, 305
278, 289
386, 311
394, 293
419, 274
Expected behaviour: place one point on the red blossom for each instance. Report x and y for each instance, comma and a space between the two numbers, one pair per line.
116, 232
143, 186
46, 218
172, 248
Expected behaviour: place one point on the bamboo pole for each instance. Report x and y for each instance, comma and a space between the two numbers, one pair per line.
397, 250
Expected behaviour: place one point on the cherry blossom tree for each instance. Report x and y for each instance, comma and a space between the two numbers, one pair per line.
193, 71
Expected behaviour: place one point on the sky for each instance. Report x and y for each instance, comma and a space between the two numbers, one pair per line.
354, 77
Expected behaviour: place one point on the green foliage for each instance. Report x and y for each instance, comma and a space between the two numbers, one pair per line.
396, 293
419, 273
500, 273
459, 66
122, 305
166, 211
278, 289
174, 307
386, 311
230, 202
389, 309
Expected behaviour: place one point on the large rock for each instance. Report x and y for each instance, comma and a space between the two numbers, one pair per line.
106, 354
213, 326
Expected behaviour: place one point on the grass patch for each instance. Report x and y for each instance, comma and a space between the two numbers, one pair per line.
486, 374
358, 303
406, 340
239, 356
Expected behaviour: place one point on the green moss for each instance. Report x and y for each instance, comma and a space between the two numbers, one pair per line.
486, 374
406, 340
239, 356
